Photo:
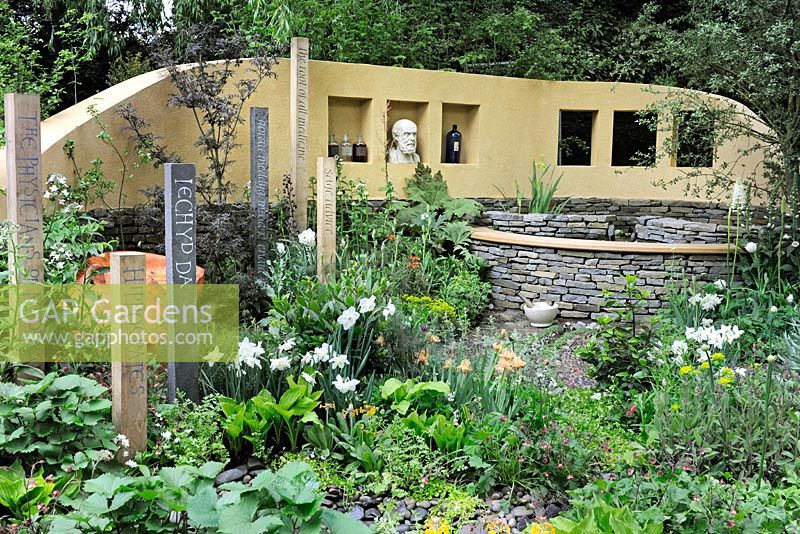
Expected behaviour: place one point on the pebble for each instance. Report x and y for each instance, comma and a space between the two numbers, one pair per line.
496, 507
420, 514
410, 503
247, 479
552, 510
521, 511
372, 513
424, 504
403, 528
496, 496
255, 463
512, 522
356, 513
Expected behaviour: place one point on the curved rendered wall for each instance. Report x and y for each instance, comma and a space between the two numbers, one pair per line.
507, 123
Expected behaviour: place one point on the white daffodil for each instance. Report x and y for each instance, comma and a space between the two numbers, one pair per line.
366, 305
345, 386
289, 344
280, 364
389, 310
348, 318
339, 361
751, 247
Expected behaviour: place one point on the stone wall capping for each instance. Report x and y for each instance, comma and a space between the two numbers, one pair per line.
560, 243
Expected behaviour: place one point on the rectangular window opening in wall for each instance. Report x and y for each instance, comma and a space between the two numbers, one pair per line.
575, 137
633, 139
351, 117
695, 139
461, 145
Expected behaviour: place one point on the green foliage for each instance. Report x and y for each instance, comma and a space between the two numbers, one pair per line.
693, 504
541, 197
601, 518
27, 499
262, 417
189, 433
404, 395
437, 313
616, 352
62, 421
467, 294
286, 500
714, 427
597, 422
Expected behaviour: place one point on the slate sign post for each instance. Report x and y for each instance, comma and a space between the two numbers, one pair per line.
180, 230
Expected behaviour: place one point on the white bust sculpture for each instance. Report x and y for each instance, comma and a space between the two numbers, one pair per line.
404, 149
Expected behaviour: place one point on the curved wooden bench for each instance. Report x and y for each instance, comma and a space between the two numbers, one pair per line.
626, 247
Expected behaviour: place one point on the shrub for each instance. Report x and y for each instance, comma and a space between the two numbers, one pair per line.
61, 421
467, 294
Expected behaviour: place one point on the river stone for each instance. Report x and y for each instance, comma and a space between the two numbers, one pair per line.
356, 513
403, 528
496, 507
372, 513
424, 504
521, 511
255, 463
552, 510
231, 475
420, 514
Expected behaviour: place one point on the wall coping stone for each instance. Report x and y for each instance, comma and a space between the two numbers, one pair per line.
561, 243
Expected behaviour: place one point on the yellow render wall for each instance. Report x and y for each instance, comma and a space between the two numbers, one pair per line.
507, 123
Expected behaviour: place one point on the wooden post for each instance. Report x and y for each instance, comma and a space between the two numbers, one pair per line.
129, 362
24, 195
298, 89
326, 218
259, 186
179, 236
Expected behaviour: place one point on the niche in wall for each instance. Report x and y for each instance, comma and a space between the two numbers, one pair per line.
351, 116
465, 116
417, 112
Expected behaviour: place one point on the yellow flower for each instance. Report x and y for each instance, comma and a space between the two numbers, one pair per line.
705, 365
448, 363
380, 341
436, 526
503, 333
422, 357
542, 528
685, 370
465, 366
717, 356
725, 376
433, 338
498, 346
676, 407
517, 363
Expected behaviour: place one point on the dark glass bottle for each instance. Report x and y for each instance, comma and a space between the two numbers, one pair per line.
333, 147
360, 150
453, 148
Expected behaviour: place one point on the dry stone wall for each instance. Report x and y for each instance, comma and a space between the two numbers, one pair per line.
575, 279
668, 230
582, 226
